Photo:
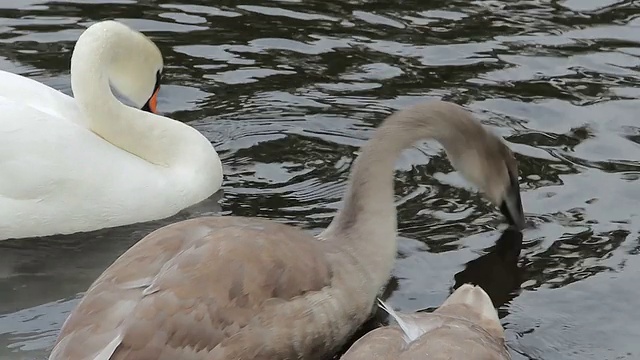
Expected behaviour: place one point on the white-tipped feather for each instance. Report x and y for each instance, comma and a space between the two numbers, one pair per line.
107, 351
411, 329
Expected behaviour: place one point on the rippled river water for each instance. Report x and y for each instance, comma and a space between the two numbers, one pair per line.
288, 90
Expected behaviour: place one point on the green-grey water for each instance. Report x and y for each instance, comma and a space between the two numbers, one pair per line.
288, 90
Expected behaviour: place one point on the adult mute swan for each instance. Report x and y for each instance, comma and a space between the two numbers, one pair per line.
247, 288
89, 162
465, 327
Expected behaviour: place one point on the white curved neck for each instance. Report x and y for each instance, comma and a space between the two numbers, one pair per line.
156, 139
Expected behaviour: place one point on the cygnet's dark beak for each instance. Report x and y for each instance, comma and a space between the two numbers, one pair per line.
511, 206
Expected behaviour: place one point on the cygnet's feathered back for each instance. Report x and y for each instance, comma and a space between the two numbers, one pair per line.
466, 326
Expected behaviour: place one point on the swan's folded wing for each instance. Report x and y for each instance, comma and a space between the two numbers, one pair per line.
193, 289
32, 149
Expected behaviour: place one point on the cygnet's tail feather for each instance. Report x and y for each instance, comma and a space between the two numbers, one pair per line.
475, 298
411, 328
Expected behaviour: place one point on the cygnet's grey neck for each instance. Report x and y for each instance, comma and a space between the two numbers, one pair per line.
366, 225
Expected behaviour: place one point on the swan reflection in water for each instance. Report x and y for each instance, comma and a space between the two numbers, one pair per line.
497, 271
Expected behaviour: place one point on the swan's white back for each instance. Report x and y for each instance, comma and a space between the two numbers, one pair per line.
29, 92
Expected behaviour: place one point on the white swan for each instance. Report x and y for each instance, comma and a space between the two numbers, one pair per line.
78, 164
234, 288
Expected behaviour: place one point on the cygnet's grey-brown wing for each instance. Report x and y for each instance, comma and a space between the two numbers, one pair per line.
195, 289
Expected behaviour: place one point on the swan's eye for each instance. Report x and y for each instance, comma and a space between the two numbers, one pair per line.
158, 80
152, 103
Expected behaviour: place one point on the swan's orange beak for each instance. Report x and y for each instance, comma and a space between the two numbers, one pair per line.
152, 103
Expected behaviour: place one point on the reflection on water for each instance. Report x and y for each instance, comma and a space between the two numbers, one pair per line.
497, 271
287, 91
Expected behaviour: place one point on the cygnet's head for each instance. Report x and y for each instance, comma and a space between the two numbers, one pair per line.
472, 303
480, 156
137, 71
485, 160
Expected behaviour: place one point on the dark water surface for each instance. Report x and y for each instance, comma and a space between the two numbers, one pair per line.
288, 90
